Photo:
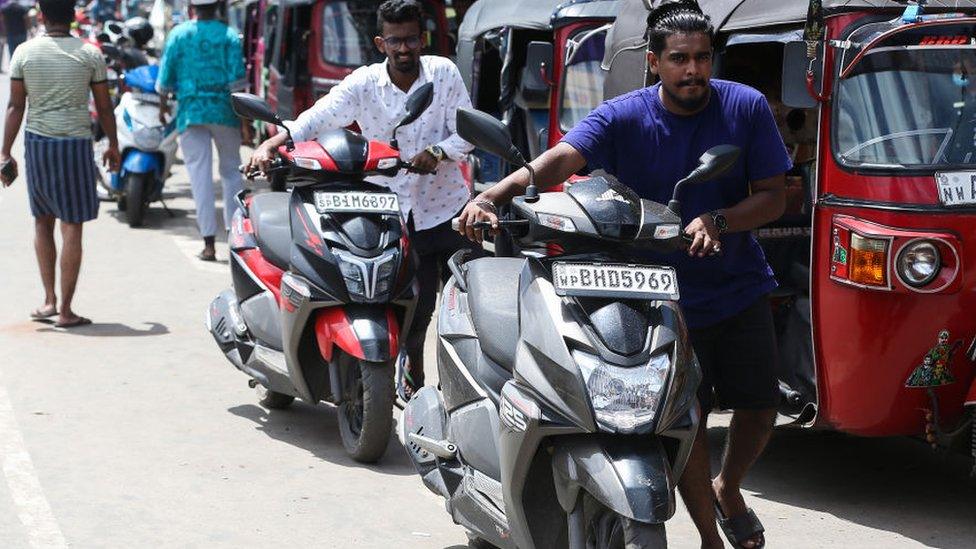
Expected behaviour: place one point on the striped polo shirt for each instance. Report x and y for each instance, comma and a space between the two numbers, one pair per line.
58, 74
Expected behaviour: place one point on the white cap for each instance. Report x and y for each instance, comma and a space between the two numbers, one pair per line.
202, 2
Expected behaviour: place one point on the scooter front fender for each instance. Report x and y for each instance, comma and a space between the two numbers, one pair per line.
629, 475
366, 332
137, 161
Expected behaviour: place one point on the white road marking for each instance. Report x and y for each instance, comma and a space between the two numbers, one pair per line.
32, 507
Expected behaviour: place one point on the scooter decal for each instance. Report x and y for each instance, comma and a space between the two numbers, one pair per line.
312, 238
934, 370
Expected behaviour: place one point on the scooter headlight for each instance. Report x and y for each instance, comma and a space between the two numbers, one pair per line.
624, 398
919, 263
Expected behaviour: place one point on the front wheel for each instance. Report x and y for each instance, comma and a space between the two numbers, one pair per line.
606, 529
136, 187
366, 415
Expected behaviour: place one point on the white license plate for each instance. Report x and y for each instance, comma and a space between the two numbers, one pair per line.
614, 280
356, 201
956, 188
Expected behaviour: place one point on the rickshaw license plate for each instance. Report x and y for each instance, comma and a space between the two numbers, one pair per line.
956, 188
614, 280
356, 201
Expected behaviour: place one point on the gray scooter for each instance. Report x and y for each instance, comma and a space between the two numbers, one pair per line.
567, 402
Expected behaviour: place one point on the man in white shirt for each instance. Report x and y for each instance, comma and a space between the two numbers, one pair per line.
375, 97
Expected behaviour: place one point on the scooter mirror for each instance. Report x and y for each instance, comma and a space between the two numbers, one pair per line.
252, 107
488, 134
417, 103
713, 163
110, 50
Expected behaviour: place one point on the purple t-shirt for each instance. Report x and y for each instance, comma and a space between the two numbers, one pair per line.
648, 148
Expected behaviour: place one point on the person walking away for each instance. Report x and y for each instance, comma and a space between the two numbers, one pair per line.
51, 76
15, 24
202, 64
375, 97
649, 139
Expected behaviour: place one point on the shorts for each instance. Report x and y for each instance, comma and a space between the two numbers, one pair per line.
738, 359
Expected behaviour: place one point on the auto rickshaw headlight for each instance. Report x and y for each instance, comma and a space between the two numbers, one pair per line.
919, 263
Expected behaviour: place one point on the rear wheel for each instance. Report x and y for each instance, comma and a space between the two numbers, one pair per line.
366, 416
606, 529
136, 187
273, 400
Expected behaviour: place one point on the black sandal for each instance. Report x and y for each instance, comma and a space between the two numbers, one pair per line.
740, 528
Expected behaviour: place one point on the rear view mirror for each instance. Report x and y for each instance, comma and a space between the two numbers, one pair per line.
417, 103
252, 107
795, 62
488, 134
110, 50
537, 73
713, 163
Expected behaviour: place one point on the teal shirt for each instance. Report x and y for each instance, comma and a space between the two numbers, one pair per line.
202, 63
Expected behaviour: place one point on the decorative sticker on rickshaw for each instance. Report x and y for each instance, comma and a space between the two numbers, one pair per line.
840, 252
934, 369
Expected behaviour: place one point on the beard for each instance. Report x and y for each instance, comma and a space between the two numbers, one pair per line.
406, 65
691, 104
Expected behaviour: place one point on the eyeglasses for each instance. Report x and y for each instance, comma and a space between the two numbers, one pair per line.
412, 42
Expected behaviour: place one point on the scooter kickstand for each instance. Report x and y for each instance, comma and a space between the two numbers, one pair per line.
168, 212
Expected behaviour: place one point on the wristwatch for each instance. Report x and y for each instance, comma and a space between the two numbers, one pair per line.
718, 218
436, 152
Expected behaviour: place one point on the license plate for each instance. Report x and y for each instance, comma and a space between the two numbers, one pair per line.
356, 201
613, 280
956, 188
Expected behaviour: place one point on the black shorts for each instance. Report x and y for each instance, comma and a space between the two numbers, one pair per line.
738, 358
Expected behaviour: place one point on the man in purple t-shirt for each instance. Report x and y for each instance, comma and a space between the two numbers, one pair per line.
649, 139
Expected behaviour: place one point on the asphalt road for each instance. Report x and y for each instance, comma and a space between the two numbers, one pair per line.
136, 432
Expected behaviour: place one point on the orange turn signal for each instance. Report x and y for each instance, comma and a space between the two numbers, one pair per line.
869, 260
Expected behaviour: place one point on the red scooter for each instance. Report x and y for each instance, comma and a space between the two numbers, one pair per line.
323, 280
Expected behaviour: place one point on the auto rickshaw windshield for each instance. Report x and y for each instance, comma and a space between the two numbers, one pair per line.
910, 107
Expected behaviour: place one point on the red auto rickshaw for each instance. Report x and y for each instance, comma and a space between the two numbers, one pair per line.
311, 45
535, 66
875, 255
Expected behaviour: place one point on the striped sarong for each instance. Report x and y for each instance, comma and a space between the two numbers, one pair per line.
61, 177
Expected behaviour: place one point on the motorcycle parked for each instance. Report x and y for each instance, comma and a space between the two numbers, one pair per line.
324, 280
567, 403
147, 145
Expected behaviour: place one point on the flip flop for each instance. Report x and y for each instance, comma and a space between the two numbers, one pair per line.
740, 528
406, 386
207, 257
38, 314
80, 321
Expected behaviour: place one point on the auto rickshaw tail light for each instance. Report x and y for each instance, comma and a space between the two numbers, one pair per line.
869, 261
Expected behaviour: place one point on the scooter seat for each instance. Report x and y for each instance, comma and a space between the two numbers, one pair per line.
272, 227
493, 298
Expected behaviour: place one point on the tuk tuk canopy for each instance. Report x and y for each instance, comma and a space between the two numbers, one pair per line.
626, 44
541, 15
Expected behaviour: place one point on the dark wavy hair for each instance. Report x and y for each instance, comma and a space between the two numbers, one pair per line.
59, 12
399, 11
673, 18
